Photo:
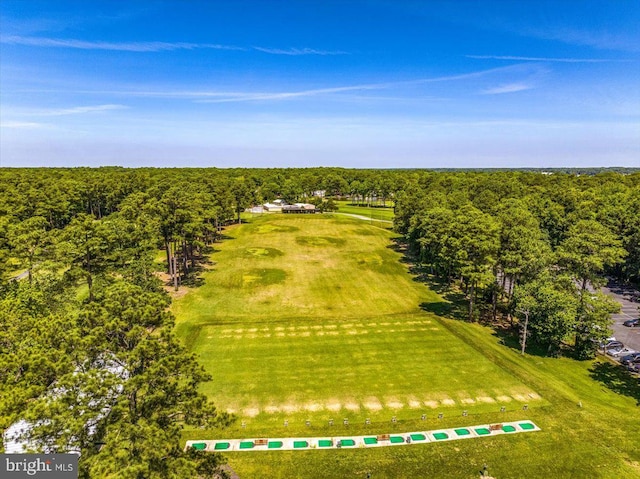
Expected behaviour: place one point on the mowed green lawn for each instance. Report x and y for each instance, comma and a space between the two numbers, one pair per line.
377, 213
316, 318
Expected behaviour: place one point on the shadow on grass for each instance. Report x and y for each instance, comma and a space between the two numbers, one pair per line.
614, 377
455, 303
509, 337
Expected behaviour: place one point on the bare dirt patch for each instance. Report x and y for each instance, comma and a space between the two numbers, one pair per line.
372, 404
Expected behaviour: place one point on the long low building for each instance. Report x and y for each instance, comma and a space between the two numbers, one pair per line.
271, 207
299, 208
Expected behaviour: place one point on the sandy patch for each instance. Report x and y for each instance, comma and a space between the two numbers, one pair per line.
385, 324
431, 404
534, 396
279, 328
290, 408
485, 399
272, 409
394, 403
252, 330
347, 325
305, 334
313, 406
372, 404
333, 333
504, 398
331, 326
519, 397
467, 401
333, 405
316, 327
320, 333
352, 406
413, 402
239, 331
372, 325
251, 411
280, 335
239, 336
448, 402
434, 329
352, 332
252, 336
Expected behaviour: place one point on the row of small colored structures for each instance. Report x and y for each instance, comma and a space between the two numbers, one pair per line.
299, 444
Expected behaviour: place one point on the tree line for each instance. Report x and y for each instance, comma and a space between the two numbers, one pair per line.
526, 245
87, 351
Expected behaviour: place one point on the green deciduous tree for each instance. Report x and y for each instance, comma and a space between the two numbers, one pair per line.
551, 306
584, 254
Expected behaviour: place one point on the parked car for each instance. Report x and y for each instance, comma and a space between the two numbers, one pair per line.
629, 358
611, 345
619, 352
632, 323
634, 367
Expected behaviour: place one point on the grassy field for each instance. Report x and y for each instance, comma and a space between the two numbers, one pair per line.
316, 318
377, 213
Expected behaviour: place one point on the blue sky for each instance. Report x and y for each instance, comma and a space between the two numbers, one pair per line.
320, 83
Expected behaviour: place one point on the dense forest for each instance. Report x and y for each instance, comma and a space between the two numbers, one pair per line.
87, 352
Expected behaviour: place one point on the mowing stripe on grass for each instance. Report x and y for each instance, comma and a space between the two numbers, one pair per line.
308, 443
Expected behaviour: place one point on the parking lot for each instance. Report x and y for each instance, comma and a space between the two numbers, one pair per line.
623, 294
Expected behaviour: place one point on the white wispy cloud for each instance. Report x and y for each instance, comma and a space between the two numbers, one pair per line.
113, 46
78, 110
299, 51
507, 88
20, 124
144, 47
602, 40
543, 59
219, 97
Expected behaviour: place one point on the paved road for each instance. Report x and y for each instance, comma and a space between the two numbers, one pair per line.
622, 294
